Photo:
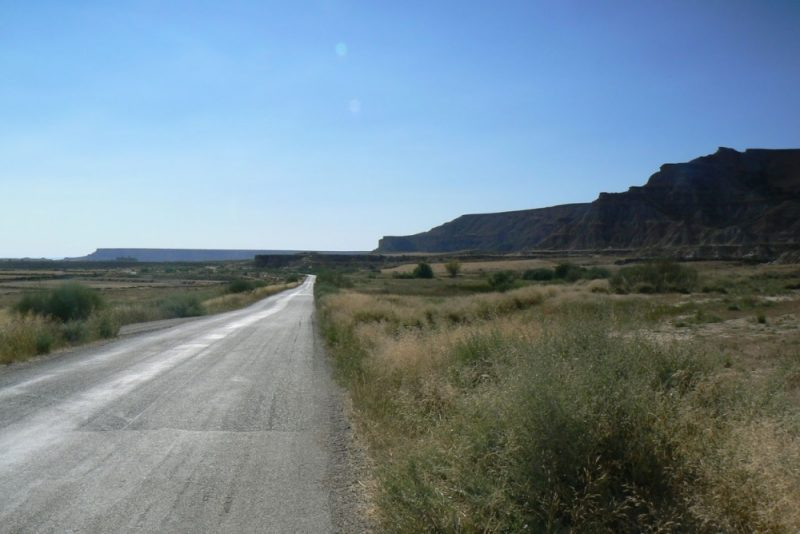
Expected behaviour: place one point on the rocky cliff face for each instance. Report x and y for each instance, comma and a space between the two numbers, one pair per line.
727, 204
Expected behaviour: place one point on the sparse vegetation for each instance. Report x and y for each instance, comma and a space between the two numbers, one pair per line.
560, 408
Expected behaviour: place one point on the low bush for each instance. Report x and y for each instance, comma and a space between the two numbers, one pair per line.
596, 273
423, 270
67, 302
542, 274
502, 280
664, 276
568, 272
181, 305
241, 286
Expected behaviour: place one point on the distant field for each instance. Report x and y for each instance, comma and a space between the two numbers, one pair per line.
128, 294
494, 403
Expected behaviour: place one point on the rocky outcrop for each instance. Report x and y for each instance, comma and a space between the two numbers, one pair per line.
496, 232
728, 204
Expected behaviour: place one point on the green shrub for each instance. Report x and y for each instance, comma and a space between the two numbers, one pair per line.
35, 303
596, 273
568, 272
542, 274
67, 302
663, 276
181, 305
241, 286
502, 280
423, 270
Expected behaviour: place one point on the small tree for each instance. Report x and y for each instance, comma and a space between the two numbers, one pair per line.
453, 268
423, 270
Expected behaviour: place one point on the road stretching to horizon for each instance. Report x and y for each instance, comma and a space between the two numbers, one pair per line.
228, 423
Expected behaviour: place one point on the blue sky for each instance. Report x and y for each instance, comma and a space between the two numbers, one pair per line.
325, 125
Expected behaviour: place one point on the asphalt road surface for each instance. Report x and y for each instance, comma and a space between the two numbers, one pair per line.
228, 423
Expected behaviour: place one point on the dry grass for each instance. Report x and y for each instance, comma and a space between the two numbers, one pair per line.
239, 300
564, 407
27, 336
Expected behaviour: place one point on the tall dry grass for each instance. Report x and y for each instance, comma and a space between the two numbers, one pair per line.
25, 336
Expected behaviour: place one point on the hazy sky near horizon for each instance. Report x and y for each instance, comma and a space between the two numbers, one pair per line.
326, 124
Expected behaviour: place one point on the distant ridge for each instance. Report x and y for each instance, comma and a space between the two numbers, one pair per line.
181, 254
727, 204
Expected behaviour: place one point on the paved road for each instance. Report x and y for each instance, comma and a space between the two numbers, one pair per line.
225, 424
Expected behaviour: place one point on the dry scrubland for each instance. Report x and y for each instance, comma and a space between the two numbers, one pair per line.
42, 310
566, 406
